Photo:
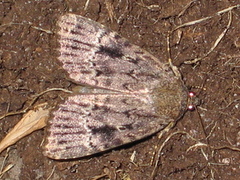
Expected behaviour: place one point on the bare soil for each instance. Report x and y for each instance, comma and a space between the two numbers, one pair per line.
29, 65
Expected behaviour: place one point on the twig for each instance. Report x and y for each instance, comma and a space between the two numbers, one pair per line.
206, 18
110, 9
198, 144
161, 148
174, 68
86, 5
33, 101
8, 167
49, 177
215, 44
30, 24
186, 7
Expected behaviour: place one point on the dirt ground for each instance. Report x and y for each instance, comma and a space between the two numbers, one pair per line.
204, 144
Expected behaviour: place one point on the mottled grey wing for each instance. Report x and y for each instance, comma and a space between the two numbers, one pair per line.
99, 57
88, 124
145, 95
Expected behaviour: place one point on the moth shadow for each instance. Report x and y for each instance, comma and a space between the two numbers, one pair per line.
107, 152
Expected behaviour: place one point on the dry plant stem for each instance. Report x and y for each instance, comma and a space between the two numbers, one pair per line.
4, 160
150, 7
174, 68
99, 177
165, 130
110, 9
161, 147
206, 18
33, 101
8, 167
121, 17
185, 8
229, 104
216, 42
202, 126
41, 29
33, 120
34, 27
49, 177
228, 9
198, 144
86, 5
205, 137
132, 157
192, 23
210, 133
194, 61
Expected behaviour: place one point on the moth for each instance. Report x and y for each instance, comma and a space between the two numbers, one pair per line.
128, 93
